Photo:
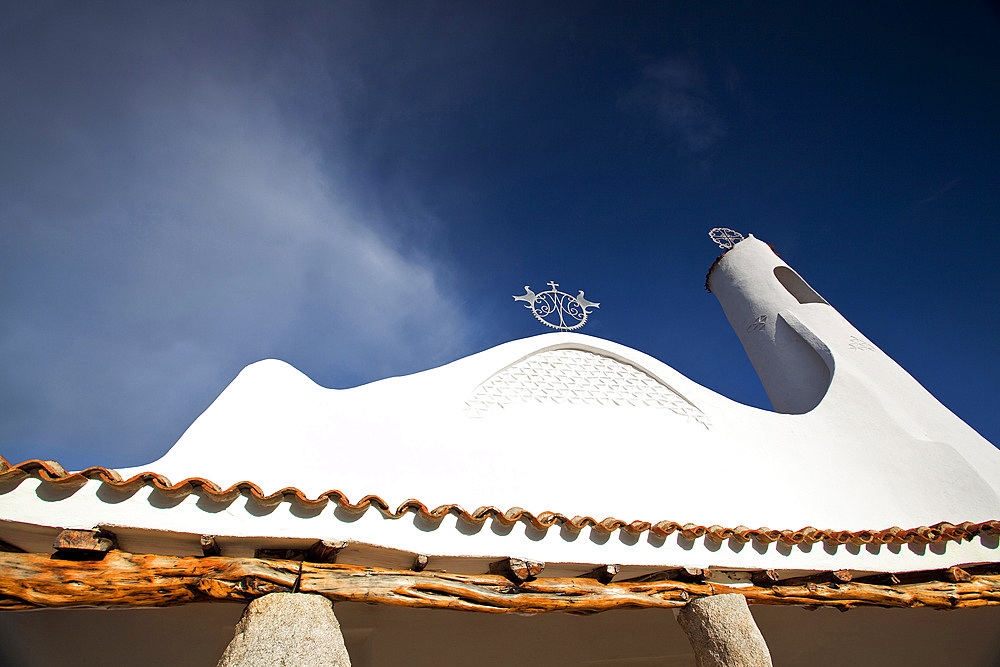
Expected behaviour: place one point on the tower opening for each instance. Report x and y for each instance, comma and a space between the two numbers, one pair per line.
797, 287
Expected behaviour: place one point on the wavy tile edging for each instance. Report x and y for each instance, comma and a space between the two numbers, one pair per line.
52, 472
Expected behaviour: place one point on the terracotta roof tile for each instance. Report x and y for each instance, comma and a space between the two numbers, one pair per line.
52, 472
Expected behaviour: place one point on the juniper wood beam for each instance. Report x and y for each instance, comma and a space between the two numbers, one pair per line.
978, 592
29, 581
84, 540
517, 570
486, 592
325, 551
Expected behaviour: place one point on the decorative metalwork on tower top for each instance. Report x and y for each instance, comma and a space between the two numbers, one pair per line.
725, 237
557, 309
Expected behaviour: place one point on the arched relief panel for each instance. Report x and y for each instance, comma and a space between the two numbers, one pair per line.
797, 287
578, 377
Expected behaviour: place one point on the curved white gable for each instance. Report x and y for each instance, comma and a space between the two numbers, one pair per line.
568, 423
415, 436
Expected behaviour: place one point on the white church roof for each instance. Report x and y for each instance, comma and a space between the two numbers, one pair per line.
614, 456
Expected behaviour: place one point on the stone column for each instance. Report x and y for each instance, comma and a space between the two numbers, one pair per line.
290, 630
723, 633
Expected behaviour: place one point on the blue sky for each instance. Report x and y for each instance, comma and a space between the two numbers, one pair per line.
359, 188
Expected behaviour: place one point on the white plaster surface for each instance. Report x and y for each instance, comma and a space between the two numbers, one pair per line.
574, 424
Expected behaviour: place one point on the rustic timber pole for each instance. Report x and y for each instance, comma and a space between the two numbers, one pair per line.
30, 581
723, 633
289, 629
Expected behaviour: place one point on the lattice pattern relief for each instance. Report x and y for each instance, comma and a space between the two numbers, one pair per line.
577, 377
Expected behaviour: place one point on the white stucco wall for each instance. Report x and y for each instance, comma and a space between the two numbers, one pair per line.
574, 424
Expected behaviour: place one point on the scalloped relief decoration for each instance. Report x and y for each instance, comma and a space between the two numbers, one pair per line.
577, 377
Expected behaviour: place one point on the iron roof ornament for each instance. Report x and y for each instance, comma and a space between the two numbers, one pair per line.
725, 237
556, 309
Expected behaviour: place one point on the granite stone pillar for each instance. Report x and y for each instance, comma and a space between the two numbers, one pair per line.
723, 633
290, 630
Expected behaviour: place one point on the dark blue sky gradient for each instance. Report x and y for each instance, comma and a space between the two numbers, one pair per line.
359, 189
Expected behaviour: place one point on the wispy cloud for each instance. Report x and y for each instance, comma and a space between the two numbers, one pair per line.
937, 194
677, 93
168, 220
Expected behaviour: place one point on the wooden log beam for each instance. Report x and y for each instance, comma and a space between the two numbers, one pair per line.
325, 551
83, 544
29, 581
84, 540
517, 570
486, 592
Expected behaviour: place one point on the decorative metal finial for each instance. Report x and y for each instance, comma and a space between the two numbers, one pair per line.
725, 237
557, 309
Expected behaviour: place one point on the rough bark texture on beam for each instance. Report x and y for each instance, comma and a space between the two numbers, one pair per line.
723, 633
485, 592
29, 581
84, 540
517, 570
957, 575
290, 629
325, 551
